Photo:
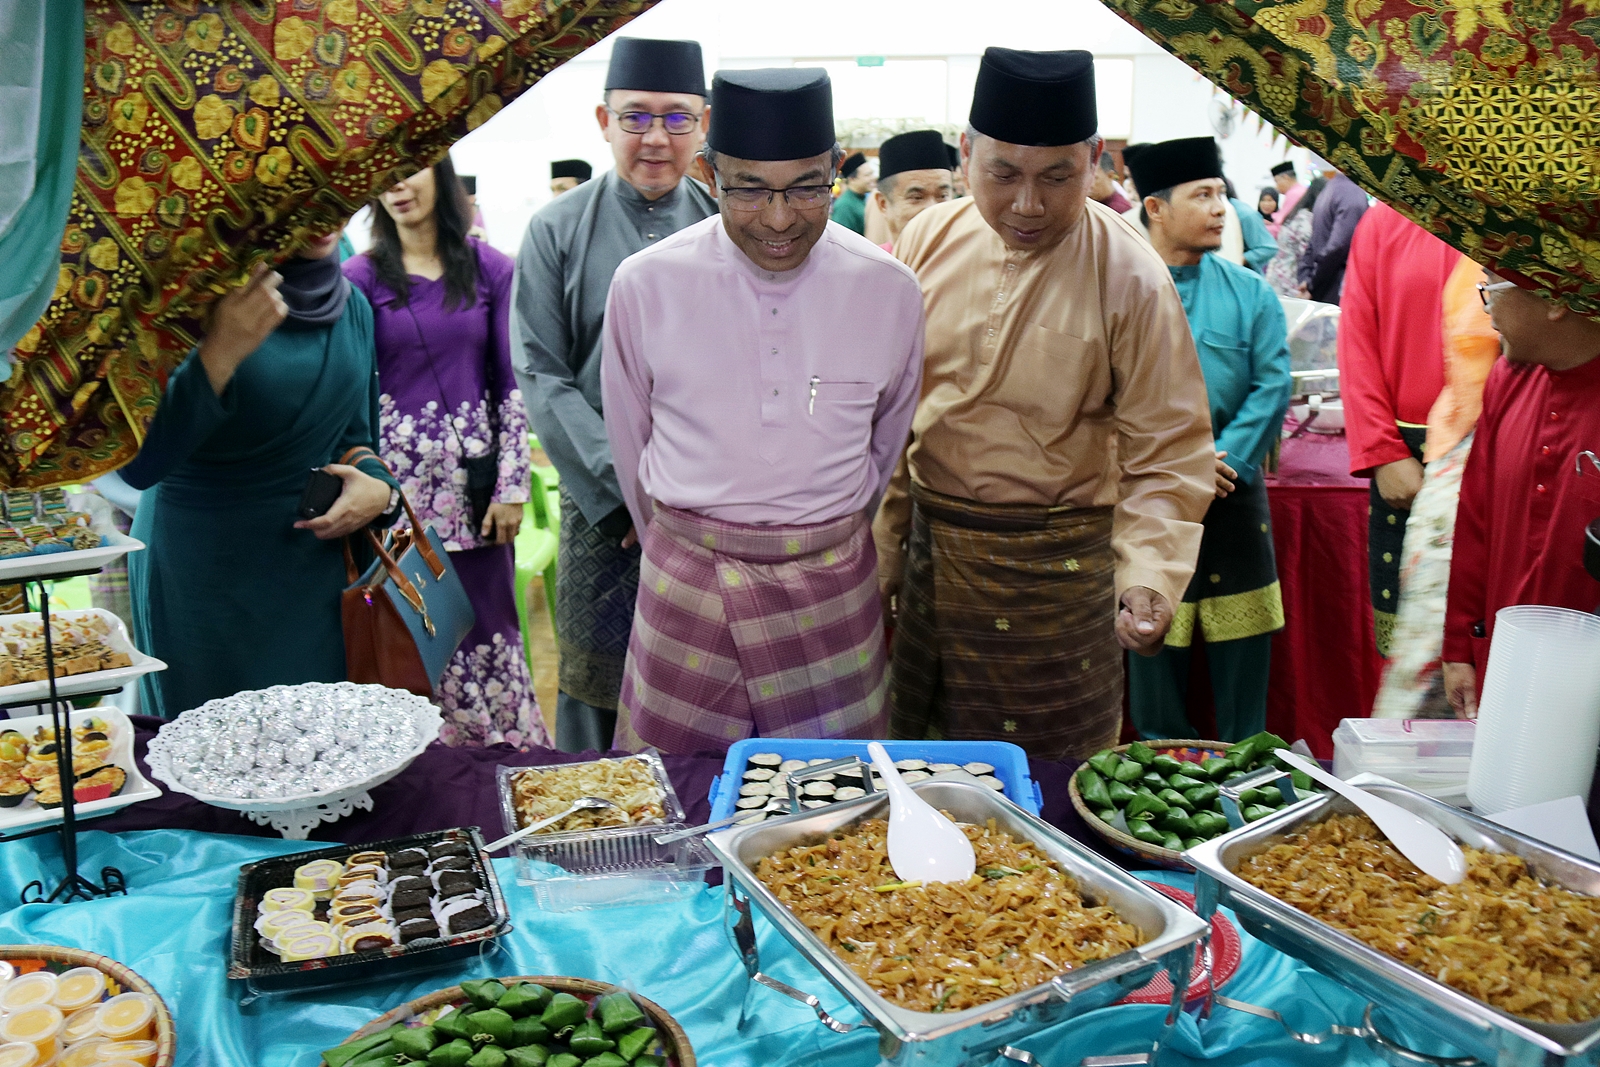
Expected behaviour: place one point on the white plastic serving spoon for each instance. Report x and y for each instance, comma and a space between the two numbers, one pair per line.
924, 846
581, 804
1418, 840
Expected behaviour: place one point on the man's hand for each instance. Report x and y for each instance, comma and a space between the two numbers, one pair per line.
1399, 482
1225, 476
889, 596
1461, 689
630, 538
501, 523
362, 499
242, 320
1143, 621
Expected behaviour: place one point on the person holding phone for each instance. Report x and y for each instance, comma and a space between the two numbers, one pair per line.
453, 428
237, 590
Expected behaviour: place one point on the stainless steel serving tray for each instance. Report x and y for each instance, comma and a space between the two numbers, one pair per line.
1402, 992
1170, 930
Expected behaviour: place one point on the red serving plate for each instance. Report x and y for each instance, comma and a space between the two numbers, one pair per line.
1215, 962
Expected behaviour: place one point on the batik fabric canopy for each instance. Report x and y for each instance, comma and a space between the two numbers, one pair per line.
216, 134
1479, 119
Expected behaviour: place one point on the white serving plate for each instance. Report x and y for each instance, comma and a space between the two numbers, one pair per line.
30, 568
28, 815
295, 815
78, 684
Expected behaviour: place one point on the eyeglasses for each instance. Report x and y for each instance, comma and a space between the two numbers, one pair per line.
754, 197
1485, 288
677, 123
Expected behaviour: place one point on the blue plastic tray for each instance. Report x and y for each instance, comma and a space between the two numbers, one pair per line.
1009, 761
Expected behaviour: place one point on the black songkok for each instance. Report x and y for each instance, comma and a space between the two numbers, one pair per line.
917, 150
651, 66
1043, 99
1161, 166
771, 113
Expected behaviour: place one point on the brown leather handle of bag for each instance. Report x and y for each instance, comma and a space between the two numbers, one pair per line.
424, 546
407, 590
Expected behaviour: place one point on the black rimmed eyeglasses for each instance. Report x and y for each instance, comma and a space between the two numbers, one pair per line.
755, 197
677, 123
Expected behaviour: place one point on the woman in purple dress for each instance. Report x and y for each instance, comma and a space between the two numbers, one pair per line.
451, 417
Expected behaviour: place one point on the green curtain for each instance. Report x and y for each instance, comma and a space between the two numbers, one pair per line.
41, 59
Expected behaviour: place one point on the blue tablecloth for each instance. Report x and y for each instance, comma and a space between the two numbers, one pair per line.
173, 928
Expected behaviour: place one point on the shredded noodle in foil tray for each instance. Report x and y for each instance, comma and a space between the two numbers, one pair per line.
541, 793
1016, 923
1501, 935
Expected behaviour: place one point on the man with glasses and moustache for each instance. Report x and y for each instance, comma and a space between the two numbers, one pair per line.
655, 117
1061, 457
1532, 482
751, 447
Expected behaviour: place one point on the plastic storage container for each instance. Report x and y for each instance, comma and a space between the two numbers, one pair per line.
1431, 756
1010, 763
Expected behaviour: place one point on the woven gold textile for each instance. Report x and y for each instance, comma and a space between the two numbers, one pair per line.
218, 133
1477, 119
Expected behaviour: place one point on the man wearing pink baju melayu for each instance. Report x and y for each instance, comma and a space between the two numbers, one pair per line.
752, 447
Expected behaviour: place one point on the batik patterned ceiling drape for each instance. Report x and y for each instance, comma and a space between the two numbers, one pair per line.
1479, 119
219, 131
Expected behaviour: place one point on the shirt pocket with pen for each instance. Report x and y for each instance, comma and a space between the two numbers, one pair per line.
1586, 476
842, 411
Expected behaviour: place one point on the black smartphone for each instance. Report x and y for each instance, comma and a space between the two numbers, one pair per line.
321, 490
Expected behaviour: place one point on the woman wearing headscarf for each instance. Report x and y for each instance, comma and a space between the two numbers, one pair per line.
235, 592
1294, 239
1267, 205
453, 427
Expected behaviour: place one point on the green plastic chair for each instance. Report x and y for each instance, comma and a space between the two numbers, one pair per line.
549, 479
535, 554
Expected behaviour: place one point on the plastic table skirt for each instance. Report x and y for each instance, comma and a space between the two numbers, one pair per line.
173, 929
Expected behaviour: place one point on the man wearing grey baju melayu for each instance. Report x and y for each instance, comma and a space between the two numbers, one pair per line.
655, 117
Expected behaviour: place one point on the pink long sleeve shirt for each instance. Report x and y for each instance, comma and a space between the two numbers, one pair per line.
758, 397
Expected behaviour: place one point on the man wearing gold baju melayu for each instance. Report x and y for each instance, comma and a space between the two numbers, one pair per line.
1048, 508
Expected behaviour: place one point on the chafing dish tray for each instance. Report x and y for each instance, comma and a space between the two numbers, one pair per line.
1402, 993
959, 1037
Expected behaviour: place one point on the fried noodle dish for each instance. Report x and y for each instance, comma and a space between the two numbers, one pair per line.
1018, 922
1502, 936
540, 794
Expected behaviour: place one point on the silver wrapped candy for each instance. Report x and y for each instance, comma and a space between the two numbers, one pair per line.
289, 741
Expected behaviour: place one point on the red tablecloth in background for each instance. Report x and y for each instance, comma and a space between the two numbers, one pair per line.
1325, 666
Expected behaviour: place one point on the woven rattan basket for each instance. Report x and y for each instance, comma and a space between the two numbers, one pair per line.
679, 1051
166, 1034
1182, 749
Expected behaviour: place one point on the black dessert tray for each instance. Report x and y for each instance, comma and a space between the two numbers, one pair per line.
262, 971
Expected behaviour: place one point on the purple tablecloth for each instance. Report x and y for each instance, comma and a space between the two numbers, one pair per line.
448, 787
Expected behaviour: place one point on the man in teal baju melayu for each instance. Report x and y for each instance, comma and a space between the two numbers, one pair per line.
1239, 331
235, 591
850, 210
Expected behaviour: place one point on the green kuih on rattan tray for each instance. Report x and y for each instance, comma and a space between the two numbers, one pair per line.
1167, 793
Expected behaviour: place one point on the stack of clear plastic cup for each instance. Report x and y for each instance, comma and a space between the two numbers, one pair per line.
1538, 709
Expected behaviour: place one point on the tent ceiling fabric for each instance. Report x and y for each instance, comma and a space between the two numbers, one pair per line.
216, 133
1478, 119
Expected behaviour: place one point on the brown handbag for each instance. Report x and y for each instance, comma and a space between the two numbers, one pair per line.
408, 613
